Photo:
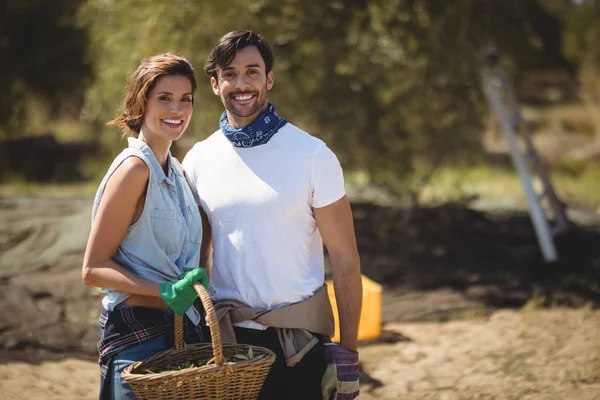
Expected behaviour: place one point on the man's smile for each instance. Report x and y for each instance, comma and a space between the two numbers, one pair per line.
243, 97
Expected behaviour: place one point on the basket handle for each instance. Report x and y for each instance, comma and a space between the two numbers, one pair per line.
213, 324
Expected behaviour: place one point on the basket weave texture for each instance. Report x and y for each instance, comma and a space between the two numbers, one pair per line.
217, 380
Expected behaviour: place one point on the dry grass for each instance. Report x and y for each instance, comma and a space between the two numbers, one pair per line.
535, 354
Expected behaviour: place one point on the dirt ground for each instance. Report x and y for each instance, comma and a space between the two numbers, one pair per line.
470, 311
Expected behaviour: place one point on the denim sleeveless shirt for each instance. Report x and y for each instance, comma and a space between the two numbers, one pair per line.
168, 234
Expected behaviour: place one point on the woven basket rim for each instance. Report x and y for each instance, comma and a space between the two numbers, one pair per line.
243, 367
128, 372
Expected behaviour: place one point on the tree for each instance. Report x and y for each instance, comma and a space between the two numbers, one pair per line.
582, 36
42, 56
392, 86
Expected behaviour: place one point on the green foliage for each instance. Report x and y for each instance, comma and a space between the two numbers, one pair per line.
42, 56
582, 34
393, 87
124, 33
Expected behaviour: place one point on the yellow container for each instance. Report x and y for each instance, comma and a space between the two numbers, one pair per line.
370, 315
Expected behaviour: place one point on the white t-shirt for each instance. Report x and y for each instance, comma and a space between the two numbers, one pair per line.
267, 250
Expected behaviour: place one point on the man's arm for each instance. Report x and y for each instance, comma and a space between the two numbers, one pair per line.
337, 229
206, 246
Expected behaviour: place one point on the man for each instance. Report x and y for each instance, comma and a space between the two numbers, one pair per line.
272, 195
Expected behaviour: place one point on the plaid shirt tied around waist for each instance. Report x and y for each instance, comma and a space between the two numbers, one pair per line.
128, 326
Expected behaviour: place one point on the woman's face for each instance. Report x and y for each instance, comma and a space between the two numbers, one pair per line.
168, 108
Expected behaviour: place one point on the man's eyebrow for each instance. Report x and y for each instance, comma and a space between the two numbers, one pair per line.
229, 67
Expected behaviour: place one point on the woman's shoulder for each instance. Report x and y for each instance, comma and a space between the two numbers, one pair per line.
135, 167
131, 172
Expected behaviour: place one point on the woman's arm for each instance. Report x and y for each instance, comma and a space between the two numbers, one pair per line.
115, 214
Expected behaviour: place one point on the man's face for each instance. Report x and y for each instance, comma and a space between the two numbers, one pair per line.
243, 86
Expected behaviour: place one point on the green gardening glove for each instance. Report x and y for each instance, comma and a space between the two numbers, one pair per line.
180, 295
185, 271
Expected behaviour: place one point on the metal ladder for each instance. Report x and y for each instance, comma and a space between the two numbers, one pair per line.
527, 162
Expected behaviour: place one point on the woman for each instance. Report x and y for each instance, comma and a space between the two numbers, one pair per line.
144, 245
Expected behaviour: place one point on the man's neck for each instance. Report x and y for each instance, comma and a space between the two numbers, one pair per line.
241, 122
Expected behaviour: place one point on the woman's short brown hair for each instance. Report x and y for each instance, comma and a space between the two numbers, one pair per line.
230, 44
142, 81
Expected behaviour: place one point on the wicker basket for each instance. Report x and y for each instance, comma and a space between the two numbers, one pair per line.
216, 380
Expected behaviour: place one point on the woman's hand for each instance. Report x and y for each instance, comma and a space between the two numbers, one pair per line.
180, 295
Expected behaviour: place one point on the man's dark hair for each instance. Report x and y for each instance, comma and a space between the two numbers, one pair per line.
230, 44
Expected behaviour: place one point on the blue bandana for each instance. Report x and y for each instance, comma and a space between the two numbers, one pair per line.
258, 132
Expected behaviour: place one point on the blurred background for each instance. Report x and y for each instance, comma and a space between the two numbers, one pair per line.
395, 89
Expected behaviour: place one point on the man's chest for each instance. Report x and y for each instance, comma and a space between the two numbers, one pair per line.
274, 190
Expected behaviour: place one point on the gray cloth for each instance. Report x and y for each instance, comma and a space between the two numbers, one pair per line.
295, 323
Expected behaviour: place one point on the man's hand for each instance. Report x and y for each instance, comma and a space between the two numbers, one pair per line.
180, 295
340, 381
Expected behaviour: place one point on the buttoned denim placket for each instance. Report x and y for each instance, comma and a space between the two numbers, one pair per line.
172, 188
